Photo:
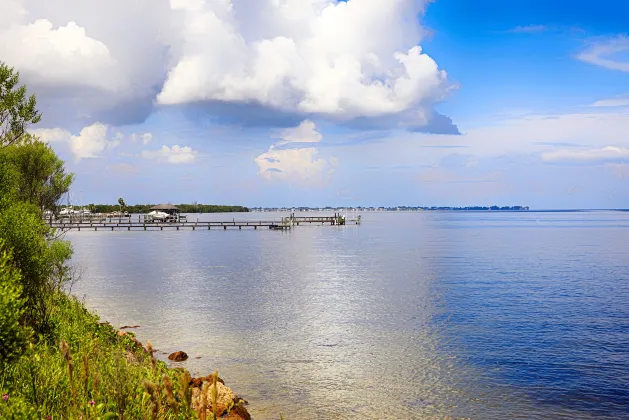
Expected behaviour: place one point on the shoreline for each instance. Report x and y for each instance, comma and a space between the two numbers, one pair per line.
228, 404
89, 369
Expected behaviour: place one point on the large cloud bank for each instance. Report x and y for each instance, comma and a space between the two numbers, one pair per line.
115, 60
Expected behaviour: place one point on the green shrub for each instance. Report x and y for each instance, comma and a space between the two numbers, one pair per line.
15, 408
13, 336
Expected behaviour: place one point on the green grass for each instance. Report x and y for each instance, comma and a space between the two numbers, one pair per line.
88, 370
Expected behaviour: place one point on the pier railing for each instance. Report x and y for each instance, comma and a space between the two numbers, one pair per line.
130, 223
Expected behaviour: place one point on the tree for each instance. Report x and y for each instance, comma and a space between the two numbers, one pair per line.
32, 178
123, 205
42, 178
17, 111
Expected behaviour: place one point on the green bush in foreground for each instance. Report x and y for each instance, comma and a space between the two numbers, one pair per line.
91, 371
13, 336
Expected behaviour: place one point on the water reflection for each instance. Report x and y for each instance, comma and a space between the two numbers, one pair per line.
406, 316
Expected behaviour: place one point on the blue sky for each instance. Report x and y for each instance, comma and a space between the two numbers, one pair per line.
317, 103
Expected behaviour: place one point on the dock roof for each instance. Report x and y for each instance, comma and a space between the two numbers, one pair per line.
164, 207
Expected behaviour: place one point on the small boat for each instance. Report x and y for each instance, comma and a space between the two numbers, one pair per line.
66, 211
159, 216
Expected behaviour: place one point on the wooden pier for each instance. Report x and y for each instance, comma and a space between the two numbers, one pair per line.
129, 224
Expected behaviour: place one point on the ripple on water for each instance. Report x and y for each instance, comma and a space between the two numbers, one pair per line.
421, 315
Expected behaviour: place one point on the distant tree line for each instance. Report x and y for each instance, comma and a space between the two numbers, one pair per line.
476, 208
185, 208
397, 208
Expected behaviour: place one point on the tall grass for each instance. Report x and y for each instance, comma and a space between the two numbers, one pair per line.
89, 370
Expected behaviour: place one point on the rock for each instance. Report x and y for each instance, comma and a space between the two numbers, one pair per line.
224, 399
178, 356
238, 413
198, 382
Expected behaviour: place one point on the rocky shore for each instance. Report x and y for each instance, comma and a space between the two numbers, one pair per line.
206, 391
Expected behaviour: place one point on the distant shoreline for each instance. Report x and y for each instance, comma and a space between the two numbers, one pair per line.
451, 210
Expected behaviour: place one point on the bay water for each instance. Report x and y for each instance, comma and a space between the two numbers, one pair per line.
484, 315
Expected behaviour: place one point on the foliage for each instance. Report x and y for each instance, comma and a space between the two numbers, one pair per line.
32, 178
185, 208
211, 208
91, 370
122, 204
17, 110
13, 336
42, 178
39, 259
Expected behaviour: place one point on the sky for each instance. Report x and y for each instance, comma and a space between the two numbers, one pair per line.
324, 102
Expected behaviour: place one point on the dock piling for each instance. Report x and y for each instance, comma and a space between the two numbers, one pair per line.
284, 223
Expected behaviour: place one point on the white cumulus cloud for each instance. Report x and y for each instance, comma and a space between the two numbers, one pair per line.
342, 59
175, 154
91, 142
304, 133
82, 68
61, 55
300, 164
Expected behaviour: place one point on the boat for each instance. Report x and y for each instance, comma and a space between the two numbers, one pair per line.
66, 211
159, 216
164, 213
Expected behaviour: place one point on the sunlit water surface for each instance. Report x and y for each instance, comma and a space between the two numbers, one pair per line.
408, 316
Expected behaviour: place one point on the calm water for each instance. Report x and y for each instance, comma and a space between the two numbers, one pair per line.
408, 316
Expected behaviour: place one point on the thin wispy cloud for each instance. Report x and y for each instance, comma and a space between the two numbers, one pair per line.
437, 146
557, 144
601, 53
173, 155
613, 102
529, 29
609, 154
